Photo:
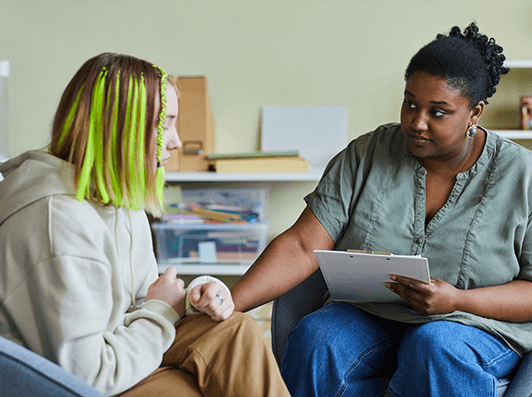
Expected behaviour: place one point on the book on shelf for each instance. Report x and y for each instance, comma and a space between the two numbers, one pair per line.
252, 155
526, 113
263, 165
287, 164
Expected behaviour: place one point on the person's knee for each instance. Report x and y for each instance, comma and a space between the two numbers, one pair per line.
241, 319
311, 335
428, 341
244, 324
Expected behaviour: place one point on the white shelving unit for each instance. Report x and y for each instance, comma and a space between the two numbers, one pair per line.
519, 63
203, 269
228, 269
516, 134
4, 111
206, 176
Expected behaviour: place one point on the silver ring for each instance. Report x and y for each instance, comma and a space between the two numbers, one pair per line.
221, 299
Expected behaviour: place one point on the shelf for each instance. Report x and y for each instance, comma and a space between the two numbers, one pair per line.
518, 63
207, 176
218, 269
514, 134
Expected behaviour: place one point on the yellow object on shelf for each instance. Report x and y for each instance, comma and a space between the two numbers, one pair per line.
263, 165
221, 216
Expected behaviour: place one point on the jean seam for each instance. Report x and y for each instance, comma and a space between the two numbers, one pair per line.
355, 364
496, 359
493, 389
392, 392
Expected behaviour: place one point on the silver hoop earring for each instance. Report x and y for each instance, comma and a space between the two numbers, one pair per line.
472, 131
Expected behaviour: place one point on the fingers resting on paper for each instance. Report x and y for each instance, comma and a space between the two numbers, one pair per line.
438, 297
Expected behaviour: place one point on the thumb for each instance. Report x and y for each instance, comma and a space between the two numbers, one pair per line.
195, 293
170, 272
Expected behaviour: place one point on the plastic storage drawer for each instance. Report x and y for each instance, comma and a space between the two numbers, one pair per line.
209, 243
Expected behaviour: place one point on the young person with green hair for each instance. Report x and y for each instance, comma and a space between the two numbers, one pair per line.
79, 277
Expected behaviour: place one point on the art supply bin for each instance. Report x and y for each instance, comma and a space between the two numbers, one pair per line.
209, 243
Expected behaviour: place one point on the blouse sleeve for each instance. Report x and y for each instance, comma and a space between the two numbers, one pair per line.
331, 201
525, 259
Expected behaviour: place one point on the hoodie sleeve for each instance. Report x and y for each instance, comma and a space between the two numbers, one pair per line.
72, 303
109, 350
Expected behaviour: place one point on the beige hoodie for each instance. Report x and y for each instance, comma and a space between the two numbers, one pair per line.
74, 276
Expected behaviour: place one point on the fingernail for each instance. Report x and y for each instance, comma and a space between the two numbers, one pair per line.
392, 277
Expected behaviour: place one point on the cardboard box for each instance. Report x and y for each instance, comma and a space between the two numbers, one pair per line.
194, 124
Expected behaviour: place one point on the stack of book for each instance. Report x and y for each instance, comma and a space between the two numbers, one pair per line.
234, 206
201, 213
259, 162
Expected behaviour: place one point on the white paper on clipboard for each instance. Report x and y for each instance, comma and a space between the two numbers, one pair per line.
360, 277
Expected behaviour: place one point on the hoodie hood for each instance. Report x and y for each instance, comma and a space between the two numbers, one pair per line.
31, 177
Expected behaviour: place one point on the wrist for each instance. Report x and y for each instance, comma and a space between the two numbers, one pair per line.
459, 302
190, 308
165, 309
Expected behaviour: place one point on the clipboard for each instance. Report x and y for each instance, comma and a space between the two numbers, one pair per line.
360, 276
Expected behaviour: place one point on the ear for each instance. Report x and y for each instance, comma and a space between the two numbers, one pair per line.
476, 112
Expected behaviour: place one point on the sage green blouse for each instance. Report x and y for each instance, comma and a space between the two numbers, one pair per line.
372, 197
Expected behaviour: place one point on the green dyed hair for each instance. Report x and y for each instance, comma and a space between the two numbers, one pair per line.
104, 126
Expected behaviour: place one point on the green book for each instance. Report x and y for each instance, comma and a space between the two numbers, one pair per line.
252, 155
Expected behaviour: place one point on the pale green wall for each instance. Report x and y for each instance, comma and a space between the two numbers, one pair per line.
254, 53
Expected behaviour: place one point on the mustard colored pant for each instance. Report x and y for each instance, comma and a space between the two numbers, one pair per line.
208, 358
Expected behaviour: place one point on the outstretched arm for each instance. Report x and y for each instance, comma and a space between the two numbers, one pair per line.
287, 261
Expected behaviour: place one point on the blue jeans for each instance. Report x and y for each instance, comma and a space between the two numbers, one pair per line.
340, 350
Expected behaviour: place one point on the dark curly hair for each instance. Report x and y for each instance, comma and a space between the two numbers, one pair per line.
469, 61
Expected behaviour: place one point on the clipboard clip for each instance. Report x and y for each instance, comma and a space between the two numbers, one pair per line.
369, 252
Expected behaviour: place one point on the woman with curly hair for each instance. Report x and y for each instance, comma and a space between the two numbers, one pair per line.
437, 185
79, 277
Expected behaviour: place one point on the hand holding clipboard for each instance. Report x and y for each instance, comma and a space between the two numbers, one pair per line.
356, 276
